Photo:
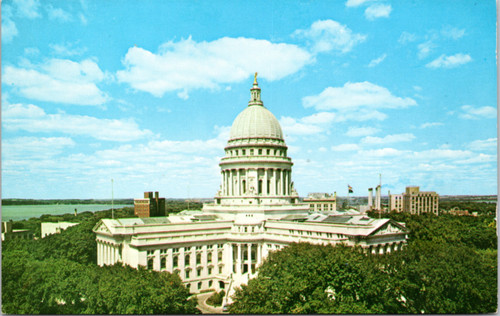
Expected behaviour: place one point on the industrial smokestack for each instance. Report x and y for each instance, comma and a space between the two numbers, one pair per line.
370, 197
377, 198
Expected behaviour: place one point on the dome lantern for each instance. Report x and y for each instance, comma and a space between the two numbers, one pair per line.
255, 93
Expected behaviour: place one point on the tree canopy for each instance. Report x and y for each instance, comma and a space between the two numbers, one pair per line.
448, 266
58, 275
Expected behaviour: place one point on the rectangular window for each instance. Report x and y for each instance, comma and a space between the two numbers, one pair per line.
260, 151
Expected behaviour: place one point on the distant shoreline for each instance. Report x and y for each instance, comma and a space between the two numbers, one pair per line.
7, 202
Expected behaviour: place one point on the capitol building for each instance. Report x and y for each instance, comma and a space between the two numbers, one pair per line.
255, 211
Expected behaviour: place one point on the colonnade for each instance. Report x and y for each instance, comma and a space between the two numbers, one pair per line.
107, 253
381, 249
268, 182
248, 257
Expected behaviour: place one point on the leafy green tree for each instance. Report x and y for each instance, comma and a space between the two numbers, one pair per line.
124, 290
305, 278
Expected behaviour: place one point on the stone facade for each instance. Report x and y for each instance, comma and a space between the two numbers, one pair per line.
415, 201
321, 202
255, 211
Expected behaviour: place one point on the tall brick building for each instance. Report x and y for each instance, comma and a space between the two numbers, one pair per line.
150, 206
414, 201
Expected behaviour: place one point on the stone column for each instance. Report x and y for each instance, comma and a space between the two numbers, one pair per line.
227, 258
192, 258
238, 172
180, 262
238, 260
99, 256
226, 189
264, 185
231, 183
170, 259
287, 184
259, 254
249, 261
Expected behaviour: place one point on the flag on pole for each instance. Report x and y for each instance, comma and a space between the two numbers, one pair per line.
350, 189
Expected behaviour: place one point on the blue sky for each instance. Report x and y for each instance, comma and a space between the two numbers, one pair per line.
145, 92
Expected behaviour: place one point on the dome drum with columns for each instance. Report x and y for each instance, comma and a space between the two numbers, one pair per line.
256, 170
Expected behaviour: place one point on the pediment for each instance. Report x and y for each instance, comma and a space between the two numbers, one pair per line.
388, 229
101, 227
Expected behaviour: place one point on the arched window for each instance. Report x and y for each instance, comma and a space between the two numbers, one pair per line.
175, 262
209, 257
186, 260
198, 258
150, 264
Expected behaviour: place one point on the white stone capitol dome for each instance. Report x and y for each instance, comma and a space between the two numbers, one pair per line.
255, 121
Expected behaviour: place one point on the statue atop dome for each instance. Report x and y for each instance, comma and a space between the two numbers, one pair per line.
255, 93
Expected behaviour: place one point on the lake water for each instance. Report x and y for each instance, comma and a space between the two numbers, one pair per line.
20, 212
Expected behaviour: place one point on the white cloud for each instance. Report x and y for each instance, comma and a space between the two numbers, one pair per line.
444, 61
431, 124
33, 119
83, 19
28, 8
293, 126
473, 113
377, 61
361, 131
346, 147
376, 11
425, 48
320, 118
383, 152
356, 95
407, 37
59, 80
452, 32
67, 49
356, 3
58, 14
396, 138
9, 29
186, 65
329, 35
34, 147
486, 144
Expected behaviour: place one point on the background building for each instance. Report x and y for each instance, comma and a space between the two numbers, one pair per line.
321, 202
150, 206
415, 201
8, 233
55, 228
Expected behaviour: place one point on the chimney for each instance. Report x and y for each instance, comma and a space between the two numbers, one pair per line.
377, 198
